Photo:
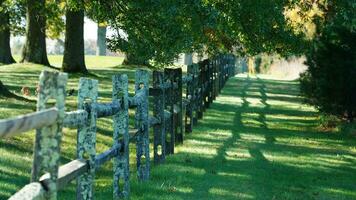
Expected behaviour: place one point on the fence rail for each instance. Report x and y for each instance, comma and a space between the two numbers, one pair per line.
173, 116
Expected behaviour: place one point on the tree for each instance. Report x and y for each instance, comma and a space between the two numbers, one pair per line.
5, 50
330, 83
34, 49
101, 40
73, 59
11, 15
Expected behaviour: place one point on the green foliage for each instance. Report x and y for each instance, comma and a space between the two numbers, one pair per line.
160, 30
17, 12
55, 23
330, 82
305, 16
261, 27
157, 30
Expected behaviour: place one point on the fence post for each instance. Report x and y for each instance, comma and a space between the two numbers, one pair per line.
121, 131
86, 139
52, 85
190, 94
141, 123
215, 78
210, 82
221, 73
195, 93
178, 111
169, 105
205, 84
201, 90
159, 144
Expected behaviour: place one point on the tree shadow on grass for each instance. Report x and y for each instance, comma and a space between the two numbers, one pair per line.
237, 156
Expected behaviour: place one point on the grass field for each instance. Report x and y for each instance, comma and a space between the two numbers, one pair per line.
257, 141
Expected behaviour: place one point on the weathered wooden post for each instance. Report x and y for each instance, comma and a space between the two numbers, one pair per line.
169, 106
159, 143
52, 85
210, 82
174, 106
203, 76
201, 91
178, 105
205, 84
221, 73
196, 93
121, 132
232, 66
223, 67
190, 94
215, 78
142, 125
86, 138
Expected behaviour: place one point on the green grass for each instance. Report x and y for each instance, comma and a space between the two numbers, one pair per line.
257, 141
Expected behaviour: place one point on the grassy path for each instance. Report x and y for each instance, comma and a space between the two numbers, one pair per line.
257, 141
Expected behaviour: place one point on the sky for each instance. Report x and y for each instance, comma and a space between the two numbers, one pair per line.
90, 29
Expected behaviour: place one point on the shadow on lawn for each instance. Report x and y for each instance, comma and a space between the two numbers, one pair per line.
232, 155
260, 144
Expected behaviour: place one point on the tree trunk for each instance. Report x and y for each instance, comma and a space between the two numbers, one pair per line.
73, 60
101, 41
34, 49
5, 50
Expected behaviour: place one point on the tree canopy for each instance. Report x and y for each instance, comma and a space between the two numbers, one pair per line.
160, 30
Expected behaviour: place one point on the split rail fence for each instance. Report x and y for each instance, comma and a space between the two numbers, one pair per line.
173, 116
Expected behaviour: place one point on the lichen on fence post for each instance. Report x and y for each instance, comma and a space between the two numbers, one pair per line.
86, 138
121, 132
141, 124
52, 85
159, 144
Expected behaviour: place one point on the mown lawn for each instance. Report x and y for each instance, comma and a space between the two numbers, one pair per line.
257, 141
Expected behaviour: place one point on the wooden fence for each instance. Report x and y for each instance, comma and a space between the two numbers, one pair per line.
173, 116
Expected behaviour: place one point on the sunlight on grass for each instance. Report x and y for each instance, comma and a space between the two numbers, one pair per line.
257, 141
228, 194
237, 154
